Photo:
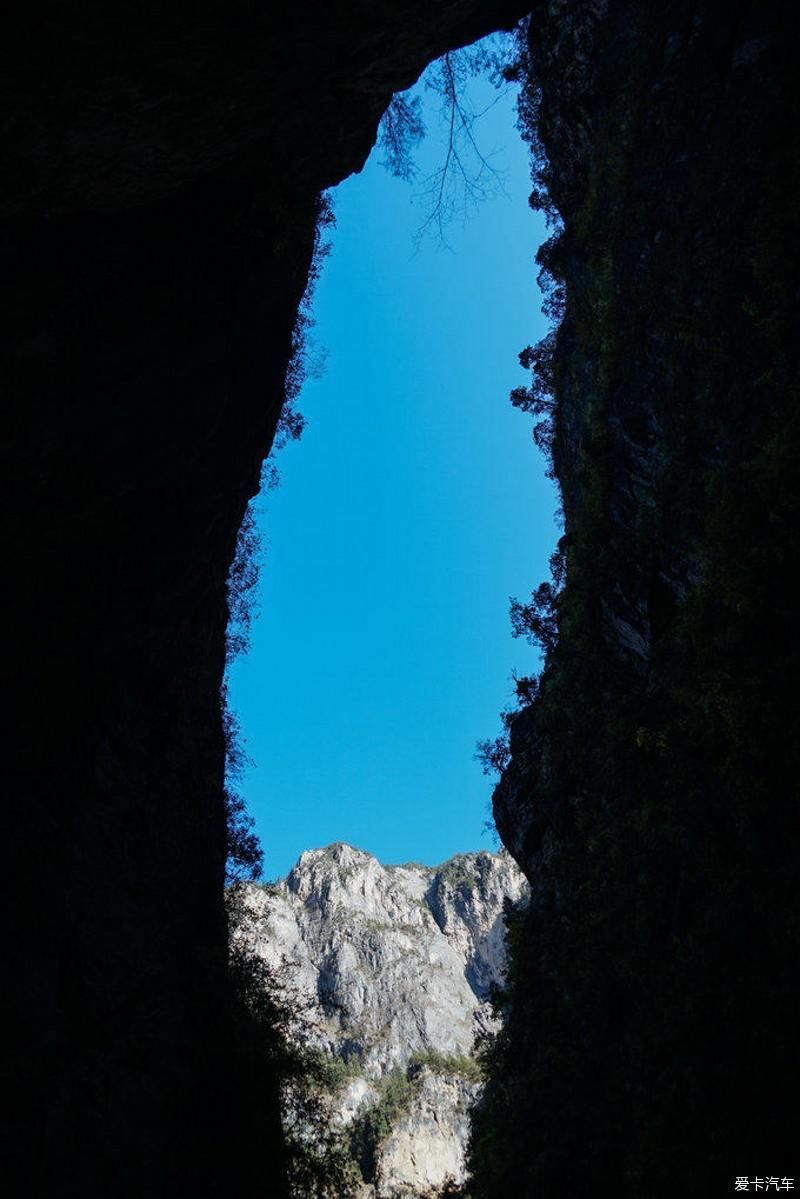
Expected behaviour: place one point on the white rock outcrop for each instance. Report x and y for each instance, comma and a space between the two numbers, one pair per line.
394, 965
426, 1144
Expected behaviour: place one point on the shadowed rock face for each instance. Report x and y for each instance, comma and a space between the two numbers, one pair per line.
650, 795
162, 172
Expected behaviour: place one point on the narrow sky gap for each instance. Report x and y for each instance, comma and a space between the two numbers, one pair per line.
401, 526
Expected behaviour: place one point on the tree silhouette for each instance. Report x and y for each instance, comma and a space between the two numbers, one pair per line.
466, 176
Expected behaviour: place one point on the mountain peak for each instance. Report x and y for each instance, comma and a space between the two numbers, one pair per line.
395, 965
395, 960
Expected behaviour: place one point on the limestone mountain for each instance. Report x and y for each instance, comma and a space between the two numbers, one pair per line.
394, 966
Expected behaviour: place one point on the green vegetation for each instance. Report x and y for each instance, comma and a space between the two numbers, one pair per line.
269, 888
323, 1161
281, 1068
395, 1095
351, 1157
369, 1130
457, 873
467, 1068
465, 871
330, 1072
244, 859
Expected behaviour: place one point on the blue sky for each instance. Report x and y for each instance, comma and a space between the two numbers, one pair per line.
414, 505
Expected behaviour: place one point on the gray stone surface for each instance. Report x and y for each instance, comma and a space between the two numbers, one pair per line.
392, 963
426, 1145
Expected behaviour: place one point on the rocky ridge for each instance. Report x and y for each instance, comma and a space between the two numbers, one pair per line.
395, 965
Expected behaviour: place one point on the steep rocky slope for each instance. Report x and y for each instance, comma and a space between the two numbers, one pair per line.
393, 966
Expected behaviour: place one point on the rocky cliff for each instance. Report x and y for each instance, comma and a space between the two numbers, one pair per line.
652, 780
161, 174
393, 967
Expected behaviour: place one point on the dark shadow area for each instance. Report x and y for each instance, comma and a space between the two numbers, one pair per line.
650, 784
162, 172
162, 183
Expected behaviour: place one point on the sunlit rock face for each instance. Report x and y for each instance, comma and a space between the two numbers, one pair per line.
396, 964
425, 1148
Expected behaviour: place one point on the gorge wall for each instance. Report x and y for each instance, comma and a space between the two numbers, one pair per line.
160, 191
651, 792
161, 173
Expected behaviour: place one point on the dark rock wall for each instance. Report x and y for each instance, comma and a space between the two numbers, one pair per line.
161, 173
652, 788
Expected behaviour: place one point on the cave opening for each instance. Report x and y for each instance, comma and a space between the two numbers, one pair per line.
380, 653
414, 506
158, 219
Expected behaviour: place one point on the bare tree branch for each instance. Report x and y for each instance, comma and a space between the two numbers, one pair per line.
467, 175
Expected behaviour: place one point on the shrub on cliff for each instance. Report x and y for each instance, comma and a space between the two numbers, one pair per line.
283, 1068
